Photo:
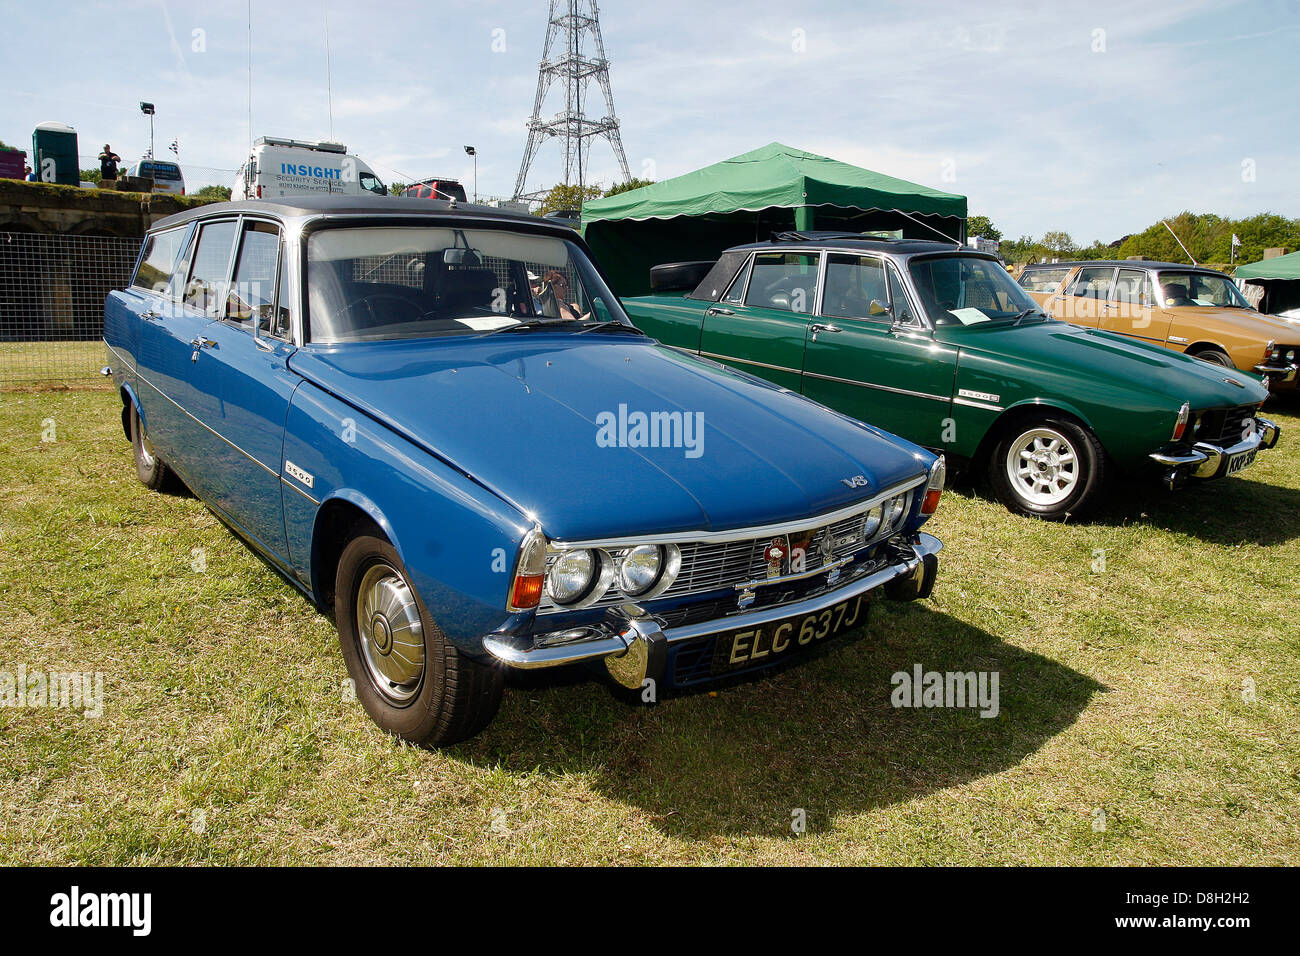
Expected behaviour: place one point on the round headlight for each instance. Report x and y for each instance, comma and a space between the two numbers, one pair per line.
571, 576
639, 569
872, 524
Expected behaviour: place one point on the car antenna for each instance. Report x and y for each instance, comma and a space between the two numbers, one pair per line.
937, 232
1179, 241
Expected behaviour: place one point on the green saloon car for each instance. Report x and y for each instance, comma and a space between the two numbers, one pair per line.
936, 343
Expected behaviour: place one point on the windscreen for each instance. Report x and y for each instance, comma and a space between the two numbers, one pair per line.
968, 290
367, 283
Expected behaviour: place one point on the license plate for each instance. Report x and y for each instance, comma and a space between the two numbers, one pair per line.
751, 646
1239, 461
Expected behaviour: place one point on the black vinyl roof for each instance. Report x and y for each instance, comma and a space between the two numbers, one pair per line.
355, 206
1123, 264
856, 244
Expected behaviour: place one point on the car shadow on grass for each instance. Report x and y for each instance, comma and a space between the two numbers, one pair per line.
1230, 511
822, 737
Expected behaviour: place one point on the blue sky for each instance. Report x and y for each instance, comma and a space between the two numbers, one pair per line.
1094, 118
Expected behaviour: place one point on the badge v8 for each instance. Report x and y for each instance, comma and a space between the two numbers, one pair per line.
856, 481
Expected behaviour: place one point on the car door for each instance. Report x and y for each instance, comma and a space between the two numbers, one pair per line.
869, 355
243, 368
164, 366
1083, 298
761, 323
1131, 308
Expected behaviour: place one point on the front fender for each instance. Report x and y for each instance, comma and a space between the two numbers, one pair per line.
457, 540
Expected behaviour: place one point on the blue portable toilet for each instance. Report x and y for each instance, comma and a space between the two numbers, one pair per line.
54, 154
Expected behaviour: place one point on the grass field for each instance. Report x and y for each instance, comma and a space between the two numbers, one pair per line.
1150, 709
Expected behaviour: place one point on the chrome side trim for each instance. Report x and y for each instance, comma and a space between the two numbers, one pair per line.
732, 358
289, 484
741, 534
883, 388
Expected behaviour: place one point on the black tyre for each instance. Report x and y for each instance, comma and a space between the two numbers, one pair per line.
1214, 357
1050, 467
149, 468
412, 681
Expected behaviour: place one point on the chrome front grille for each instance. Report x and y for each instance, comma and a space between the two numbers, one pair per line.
711, 564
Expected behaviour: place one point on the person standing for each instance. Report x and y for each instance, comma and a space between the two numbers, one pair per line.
108, 161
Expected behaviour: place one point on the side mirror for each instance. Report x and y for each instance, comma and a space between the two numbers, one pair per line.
877, 308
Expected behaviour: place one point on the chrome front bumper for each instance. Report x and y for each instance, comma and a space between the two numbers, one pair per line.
1278, 374
628, 630
1203, 460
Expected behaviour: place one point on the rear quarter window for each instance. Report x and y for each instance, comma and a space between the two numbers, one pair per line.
158, 260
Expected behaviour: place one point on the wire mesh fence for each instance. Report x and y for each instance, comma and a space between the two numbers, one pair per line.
52, 291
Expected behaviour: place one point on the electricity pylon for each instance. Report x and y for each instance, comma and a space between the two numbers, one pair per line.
563, 58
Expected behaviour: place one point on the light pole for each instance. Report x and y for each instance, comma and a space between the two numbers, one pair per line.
147, 110
474, 152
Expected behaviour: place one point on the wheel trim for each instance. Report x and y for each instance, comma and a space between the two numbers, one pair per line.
1043, 466
390, 633
144, 446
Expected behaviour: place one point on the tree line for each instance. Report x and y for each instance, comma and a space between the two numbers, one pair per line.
1208, 237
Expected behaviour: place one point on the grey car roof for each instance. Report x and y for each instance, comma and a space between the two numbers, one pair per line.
309, 206
1124, 264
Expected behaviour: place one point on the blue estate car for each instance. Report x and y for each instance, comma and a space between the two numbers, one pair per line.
437, 420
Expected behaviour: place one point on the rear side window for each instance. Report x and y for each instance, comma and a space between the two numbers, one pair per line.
1131, 286
210, 269
719, 277
1042, 280
161, 250
785, 281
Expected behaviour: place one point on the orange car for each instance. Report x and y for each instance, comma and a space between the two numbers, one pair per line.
1185, 308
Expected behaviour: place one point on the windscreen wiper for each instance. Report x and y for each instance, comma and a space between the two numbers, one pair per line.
1025, 313
612, 325
527, 326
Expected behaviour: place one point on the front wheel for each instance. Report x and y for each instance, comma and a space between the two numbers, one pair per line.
149, 468
1214, 357
1051, 468
412, 681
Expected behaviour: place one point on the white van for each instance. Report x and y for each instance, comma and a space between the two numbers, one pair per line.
165, 174
292, 167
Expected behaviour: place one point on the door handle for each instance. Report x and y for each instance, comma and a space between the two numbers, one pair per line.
201, 343
818, 327
714, 310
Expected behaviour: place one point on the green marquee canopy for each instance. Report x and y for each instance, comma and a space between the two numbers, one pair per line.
746, 198
1280, 267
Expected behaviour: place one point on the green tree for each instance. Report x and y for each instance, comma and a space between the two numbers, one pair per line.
1058, 242
628, 186
396, 189
983, 226
564, 196
90, 176
218, 193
